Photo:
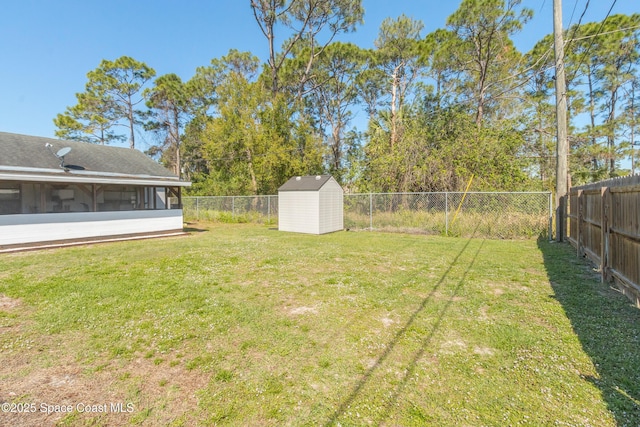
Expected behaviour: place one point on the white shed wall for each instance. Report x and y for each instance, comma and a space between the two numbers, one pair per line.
31, 228
331, 209
298, 211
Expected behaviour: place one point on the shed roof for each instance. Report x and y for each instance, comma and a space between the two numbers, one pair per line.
305, 183
27, 157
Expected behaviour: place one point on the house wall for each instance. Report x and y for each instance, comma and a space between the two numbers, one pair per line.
26, 228
331, 209
298, 211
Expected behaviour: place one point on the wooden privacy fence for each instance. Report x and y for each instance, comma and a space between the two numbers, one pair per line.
604, 226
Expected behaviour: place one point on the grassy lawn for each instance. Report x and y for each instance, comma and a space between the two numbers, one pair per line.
243, 325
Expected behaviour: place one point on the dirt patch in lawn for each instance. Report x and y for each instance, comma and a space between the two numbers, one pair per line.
115, 393
7, 303
296, 311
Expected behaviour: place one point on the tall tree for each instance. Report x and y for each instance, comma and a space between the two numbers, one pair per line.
618, 53
169, 102
631, 119
92, 120
436, 50
203, 102
435, 155
254, 141
332, 95
122, 81
539, 109
316, 22
485, 54
371, 84
603, 60
398, 55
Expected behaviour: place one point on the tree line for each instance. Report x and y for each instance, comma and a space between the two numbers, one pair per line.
461, 101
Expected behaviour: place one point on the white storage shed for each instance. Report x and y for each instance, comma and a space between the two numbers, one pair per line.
310, 204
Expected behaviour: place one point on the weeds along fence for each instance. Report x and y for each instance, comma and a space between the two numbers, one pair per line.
492, 215
260, 209
604, 226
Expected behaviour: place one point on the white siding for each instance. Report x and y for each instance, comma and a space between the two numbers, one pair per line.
17, 229
298, 211
313, 212
331, 209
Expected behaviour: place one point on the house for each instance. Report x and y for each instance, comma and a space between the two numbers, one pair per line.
310, 204
54, 190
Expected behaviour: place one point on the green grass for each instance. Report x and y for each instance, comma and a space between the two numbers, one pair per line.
238, 324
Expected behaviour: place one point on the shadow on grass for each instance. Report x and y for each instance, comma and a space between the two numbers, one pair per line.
191, 228
607, 325
356, 391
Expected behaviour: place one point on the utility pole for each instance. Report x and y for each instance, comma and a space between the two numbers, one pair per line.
561, 122
633, 128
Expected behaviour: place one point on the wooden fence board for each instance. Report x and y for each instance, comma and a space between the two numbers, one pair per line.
605, 226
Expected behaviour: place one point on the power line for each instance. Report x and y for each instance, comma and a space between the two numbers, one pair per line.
575, 5
575, 29
584, 54
568, 42
619, 30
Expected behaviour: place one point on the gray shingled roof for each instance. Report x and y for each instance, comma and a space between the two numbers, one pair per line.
305, 183
23, 151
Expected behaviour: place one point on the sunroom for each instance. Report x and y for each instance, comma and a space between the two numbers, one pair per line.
53, 190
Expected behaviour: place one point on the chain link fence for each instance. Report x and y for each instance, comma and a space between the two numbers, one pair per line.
260, 209
491, 215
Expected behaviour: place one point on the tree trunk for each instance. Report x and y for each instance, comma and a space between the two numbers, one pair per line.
611, 136
272, 64
254, 181
394, 100
132, 140
592, 108
176, 140
336, 147
480, 113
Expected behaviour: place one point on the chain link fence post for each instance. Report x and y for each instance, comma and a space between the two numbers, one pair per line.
446, 214
550, 215
370, 212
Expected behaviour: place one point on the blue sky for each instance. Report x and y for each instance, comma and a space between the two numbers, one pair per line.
47, 47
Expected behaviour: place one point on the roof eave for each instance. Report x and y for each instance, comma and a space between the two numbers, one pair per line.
61, 176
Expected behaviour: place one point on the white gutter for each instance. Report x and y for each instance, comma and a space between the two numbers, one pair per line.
87, 177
